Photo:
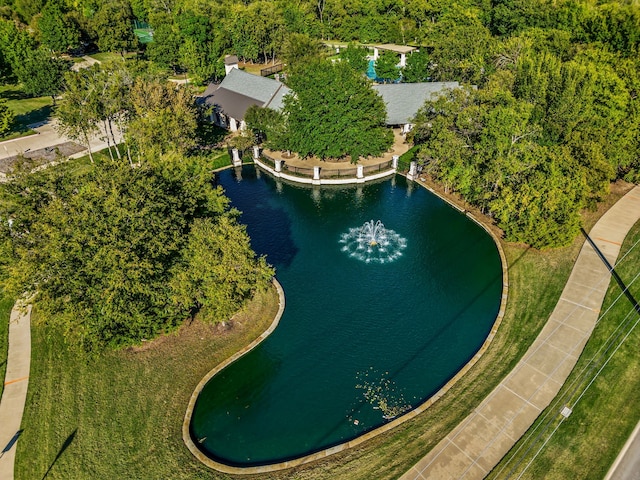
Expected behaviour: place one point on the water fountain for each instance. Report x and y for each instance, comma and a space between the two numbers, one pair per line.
372, 242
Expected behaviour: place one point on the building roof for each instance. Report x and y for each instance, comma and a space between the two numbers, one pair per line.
239, 90
395, 48
230, 59
403, 100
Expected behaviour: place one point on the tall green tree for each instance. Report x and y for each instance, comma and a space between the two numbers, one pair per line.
57, 30
113, 24
335, 113
417, 68
355, 56
107, 250
387, 66
42, 74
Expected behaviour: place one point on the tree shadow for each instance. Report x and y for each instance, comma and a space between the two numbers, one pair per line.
65, 445
38, 115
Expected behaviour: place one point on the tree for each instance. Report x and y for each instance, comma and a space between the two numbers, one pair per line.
107, 250
417, 68
41, 74
114, 26
335, 113
57, 30
164, 117
78, 112
218, 271
7, 118
299, 48
268, 126
356, 57
387, 66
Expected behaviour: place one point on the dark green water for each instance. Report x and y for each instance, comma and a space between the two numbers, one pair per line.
404, 328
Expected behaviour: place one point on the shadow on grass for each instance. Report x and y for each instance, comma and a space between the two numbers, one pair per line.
65, 445
34, 116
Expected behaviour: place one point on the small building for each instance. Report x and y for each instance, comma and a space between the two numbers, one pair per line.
403, 50
403, 100
230, 62
230, 100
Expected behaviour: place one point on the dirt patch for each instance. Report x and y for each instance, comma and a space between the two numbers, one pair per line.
42, 155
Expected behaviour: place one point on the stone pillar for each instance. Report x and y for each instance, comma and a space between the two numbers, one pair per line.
413, 169
233, 125
316, 173
256, 152
394, 162
360, 171
376, 53
236, 157
243, 125
403, 60
278, 165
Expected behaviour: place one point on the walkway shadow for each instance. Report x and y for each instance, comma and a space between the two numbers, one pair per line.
11, 443
65, 445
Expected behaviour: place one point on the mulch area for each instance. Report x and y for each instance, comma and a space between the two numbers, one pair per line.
42, 155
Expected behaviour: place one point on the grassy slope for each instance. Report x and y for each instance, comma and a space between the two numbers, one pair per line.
120, 414
5, 309
586, 444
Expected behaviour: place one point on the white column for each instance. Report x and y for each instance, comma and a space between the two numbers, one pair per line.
243, 125
403, 59
413, 168
278, 165
256, 152
394, 162
376, 54
233, 125
316, 173
360, 171
236, 157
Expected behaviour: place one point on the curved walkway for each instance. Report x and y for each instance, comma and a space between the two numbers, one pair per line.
480, 441
16, 382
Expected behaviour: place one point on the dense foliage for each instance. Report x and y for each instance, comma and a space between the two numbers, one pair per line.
119, 254
334, 113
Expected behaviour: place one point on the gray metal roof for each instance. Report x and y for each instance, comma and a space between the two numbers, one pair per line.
403, 100
239, 90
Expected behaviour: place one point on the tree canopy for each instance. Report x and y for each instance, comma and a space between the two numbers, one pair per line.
120, 254
334, 113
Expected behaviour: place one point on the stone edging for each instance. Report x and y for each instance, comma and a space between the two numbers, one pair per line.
373, 433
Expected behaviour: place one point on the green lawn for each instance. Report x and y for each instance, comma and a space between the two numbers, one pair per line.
586, 444
119, 415
5, 309
28, 110
110, 56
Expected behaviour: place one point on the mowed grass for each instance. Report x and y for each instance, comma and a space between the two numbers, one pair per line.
28, 110
6, 304
119, 415
586, 444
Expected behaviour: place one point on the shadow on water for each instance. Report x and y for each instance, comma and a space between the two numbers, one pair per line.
65, 445
262, 216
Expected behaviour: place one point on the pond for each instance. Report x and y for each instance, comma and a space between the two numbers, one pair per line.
362, 339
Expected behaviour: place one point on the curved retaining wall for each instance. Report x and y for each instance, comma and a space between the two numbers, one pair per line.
373, 433
323, 181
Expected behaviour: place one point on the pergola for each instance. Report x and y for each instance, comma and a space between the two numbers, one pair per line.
401, 49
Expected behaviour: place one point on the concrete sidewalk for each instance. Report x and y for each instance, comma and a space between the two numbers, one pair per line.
479, 442
16, 382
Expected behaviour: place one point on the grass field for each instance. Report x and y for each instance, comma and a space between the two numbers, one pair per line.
5, 310
604, 412
28, 110
119, 415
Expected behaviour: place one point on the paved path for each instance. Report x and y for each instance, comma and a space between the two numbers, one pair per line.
480, 441
627, 465
16, 381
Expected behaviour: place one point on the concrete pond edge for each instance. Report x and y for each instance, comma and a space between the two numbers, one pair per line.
186, 434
